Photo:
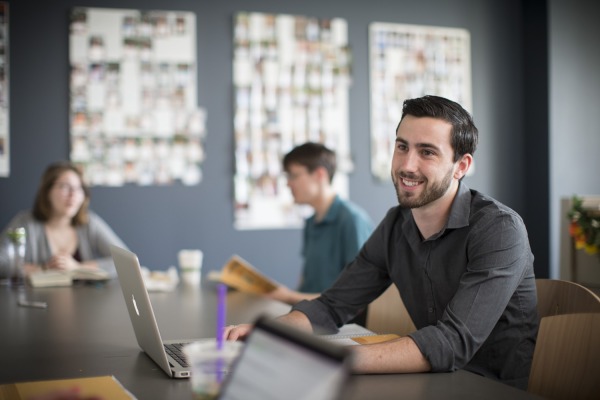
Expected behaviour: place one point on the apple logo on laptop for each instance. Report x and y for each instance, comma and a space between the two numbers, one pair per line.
135, 305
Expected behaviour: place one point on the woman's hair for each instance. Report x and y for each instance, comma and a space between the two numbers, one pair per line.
42, 208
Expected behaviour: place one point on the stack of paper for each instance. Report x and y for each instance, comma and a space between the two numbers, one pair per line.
353, 334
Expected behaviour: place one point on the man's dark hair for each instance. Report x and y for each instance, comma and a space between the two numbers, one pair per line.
464, 135
312, 156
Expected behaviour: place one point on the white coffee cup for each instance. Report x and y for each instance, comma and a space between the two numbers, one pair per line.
190, 266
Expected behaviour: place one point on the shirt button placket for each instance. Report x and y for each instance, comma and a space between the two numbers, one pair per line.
430, 299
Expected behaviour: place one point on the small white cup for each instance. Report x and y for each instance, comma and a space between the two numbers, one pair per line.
190, 265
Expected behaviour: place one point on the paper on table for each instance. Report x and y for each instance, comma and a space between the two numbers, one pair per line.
349, 331
354, 334
160, 281
105, 387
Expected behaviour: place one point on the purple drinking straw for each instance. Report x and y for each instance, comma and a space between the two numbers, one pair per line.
221, 310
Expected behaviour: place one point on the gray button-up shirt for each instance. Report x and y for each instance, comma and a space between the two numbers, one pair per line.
470, 289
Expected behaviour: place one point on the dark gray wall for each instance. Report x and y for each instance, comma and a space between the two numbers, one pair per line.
536, 140
157, 221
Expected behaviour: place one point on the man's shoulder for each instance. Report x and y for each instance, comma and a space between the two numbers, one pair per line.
349, 208
484, 207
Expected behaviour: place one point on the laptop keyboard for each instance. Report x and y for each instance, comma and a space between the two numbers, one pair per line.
175, 350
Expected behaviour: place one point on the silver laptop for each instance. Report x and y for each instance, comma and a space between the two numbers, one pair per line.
280, 362
167, 354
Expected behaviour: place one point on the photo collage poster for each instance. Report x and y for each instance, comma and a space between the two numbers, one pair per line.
134, 116
291, 77
4, 107
408, 61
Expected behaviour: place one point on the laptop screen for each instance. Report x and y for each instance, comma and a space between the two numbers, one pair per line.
280, 362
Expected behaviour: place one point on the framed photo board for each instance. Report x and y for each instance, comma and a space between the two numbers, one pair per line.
134, 117
408, 61
291, 77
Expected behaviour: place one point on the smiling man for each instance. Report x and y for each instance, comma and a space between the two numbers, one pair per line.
461, 261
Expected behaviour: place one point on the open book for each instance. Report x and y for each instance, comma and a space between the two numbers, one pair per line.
239, 274
51, 278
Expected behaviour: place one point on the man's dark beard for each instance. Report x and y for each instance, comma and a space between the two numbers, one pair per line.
430, 194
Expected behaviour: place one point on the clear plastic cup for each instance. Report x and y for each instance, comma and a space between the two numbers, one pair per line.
210, 366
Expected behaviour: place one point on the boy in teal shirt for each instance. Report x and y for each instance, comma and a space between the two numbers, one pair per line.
337, 230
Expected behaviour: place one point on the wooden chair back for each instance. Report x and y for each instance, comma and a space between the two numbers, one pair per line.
387, 314
566, 361
557, 297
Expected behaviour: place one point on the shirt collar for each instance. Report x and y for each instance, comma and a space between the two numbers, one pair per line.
332, 212
458, 218
460, 210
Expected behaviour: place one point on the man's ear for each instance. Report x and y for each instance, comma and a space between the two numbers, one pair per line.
463, 165
322, 173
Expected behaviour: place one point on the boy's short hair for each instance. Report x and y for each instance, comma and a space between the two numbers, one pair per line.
312, 156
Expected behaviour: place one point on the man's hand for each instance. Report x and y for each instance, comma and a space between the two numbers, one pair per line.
236, 332
294, 318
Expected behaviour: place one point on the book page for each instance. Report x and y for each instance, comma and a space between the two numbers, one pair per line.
53, 278
50, 279
90, 274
